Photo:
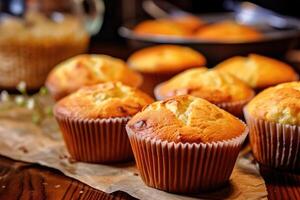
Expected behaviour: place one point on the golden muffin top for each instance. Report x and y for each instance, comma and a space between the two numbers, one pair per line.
162, 27
186, 119
165, 59
107, 100
84, 70
258, 71
280, 104
190, 22
228, 31
212, 85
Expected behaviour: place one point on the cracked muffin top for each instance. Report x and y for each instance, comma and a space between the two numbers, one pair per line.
107, 100
186, 119
280, 104
165, 59
85, 70
212, 85
258, 71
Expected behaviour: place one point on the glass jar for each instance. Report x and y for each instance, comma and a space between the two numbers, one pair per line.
35, 35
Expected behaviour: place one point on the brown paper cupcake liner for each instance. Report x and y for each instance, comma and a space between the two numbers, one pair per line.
273, 144
31, 63
96, 140
183, 167
235, 108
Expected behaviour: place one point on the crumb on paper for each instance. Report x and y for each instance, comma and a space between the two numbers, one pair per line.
81, 191
23, 149
57, 186
45, 183
3, 186
135, 174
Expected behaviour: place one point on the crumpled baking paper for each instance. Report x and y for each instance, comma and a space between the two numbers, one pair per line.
20, 139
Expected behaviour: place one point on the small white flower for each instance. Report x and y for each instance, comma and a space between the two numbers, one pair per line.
19, 100
4, 96
30, 103
21, 86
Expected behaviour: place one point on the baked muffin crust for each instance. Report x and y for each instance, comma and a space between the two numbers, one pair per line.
227, 31
212, 85
186, 119
107, 100
165, 59
258, 71
280, 104
84, 70
162, 27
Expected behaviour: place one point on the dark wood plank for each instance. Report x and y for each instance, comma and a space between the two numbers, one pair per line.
19, 180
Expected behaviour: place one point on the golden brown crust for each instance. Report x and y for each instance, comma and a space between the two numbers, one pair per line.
108, 100
280, 104
165, 59
212, 85
84, 70
161, 27
189, 22
258, 71
186, 119
227, 31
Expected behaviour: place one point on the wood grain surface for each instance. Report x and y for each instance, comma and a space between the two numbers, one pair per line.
19, 180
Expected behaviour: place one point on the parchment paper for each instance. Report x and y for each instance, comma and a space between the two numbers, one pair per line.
20, 139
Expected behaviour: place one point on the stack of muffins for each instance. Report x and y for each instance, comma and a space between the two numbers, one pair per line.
189, 140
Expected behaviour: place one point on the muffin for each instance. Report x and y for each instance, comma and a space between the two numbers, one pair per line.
185, 144
220, 88
258, 71
189, 22
228, 31
273, 117
159, 63
84, 70
162, 27
30, 47
92, 121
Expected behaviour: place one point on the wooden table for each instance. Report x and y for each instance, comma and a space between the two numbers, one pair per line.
19, 180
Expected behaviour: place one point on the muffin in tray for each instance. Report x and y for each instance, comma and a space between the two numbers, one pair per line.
258, 71
84, 70
93, 119
32, 46
220, 88
228, 31
165, 28
273, 117
159, 63
185, 144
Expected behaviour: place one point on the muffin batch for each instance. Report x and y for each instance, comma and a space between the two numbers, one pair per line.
193, 28
189, 139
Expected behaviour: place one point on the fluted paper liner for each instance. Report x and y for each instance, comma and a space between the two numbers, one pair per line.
96, 140
183, 167
273, 144
235, 108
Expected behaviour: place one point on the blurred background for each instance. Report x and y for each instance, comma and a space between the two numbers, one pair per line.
42, 33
